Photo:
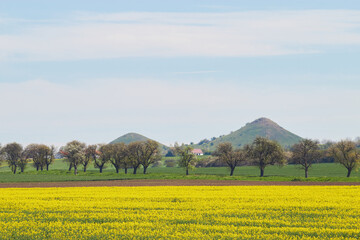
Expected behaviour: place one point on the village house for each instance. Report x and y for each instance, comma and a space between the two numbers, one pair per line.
197, 152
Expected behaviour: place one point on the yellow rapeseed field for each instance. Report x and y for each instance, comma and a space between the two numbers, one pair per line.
240, 212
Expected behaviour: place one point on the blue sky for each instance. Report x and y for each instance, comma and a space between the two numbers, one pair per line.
177, 70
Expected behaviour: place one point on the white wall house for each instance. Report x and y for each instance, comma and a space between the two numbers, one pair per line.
197, 152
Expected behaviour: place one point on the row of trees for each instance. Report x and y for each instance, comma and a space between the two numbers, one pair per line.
119, 155
17, 157
78, 154
263, 152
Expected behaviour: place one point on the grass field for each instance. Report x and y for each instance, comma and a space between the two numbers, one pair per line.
58, 172
245, 212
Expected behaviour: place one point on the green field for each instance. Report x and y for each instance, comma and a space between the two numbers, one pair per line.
58, 172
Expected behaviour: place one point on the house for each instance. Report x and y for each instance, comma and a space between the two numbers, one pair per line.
197, 152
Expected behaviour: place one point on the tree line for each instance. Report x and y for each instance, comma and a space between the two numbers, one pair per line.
119, 155
261, 153
78, 154
17, 157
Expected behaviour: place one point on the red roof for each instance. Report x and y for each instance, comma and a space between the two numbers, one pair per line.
197, 151
64, 153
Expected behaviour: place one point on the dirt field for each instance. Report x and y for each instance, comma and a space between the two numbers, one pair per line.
135, 183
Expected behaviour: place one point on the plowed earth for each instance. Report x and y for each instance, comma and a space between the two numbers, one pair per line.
145, 182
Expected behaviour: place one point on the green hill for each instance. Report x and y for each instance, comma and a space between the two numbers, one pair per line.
129, 138
135, 137
262, 127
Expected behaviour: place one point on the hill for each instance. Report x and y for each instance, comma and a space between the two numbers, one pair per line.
134, 137
129, 138
262, 127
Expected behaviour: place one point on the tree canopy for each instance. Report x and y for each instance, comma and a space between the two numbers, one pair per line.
12, 153
263, 152
305, 153
187, 159
346, 153
74, 152
232, 158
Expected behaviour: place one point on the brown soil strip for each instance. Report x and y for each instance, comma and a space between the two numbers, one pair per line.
146, 182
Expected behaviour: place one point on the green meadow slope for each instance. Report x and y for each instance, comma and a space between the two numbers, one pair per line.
129, 138
262, 127
135, 137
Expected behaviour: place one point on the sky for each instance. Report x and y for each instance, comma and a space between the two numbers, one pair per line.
177, 71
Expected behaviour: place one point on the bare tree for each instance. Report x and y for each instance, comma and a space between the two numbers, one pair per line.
187, 158
346, 153
263, 152
226, 154
305, 153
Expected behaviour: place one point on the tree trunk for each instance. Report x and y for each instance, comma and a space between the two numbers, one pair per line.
75, 169
135, 168
306, 172
37, 167
145, 170
261, 172
47, 167
117, 169
70, 167
101, 168
15, 170
349, 172
125, 170
232, 171
187, 171
85, 168
22, 169
42, 167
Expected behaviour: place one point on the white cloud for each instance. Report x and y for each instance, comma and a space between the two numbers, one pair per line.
258, 33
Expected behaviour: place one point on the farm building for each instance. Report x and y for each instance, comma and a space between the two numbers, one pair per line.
197, 152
